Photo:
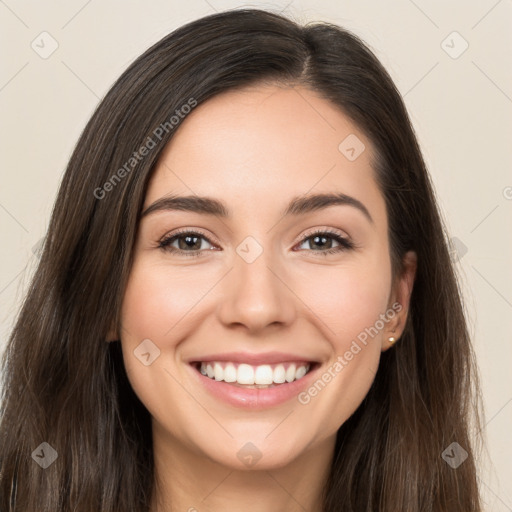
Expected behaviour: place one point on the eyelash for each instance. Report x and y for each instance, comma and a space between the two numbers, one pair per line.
345, 244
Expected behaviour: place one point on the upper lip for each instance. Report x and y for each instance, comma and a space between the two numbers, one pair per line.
252, 358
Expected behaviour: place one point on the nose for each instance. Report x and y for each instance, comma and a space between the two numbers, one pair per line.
257, 295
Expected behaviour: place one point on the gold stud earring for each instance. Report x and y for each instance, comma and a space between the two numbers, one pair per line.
392, 341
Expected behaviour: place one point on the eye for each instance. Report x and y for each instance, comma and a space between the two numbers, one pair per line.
321, 239
189, 243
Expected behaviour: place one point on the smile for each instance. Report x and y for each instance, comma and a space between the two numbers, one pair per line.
261, 376
254, 381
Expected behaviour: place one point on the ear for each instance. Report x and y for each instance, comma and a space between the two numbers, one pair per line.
400, 299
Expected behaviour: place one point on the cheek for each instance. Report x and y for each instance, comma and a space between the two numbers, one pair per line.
346, 299
350, 302
156, 300
355, 347
157, 306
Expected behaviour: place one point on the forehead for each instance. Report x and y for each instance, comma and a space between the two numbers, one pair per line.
259, 146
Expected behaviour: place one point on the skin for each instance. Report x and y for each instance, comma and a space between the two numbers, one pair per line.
255, 149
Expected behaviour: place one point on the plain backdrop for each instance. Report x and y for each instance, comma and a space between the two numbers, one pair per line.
450, 60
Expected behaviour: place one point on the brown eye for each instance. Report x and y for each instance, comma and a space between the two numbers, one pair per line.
324, 240
189, 243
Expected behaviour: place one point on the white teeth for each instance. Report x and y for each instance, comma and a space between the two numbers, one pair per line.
290, 373
230, 373
279, 374
301, 371
264, 375
245, 374
218, 372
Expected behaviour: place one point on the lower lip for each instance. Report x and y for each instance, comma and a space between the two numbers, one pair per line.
255, 398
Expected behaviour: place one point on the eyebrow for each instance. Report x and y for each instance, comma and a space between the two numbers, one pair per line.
299, 205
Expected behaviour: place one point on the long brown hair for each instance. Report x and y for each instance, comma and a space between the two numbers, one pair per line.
65, 386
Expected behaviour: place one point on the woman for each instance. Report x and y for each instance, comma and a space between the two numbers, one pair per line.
312, 355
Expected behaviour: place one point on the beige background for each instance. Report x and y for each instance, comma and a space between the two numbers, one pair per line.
461, 109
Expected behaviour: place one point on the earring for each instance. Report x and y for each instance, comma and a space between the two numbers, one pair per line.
392, 341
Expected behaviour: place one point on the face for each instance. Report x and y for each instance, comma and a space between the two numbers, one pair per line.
255, 332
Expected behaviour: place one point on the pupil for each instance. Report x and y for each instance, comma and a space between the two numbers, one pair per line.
187, 242
318, 237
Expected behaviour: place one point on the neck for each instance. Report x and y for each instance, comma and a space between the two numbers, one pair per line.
189, 481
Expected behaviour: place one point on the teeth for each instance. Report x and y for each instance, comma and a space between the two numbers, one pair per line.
290, 373
230, 373
245, 374
279, 374
262, 376
218, 372
301, 371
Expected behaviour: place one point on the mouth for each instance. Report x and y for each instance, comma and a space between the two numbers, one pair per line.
251, 384
254, 376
